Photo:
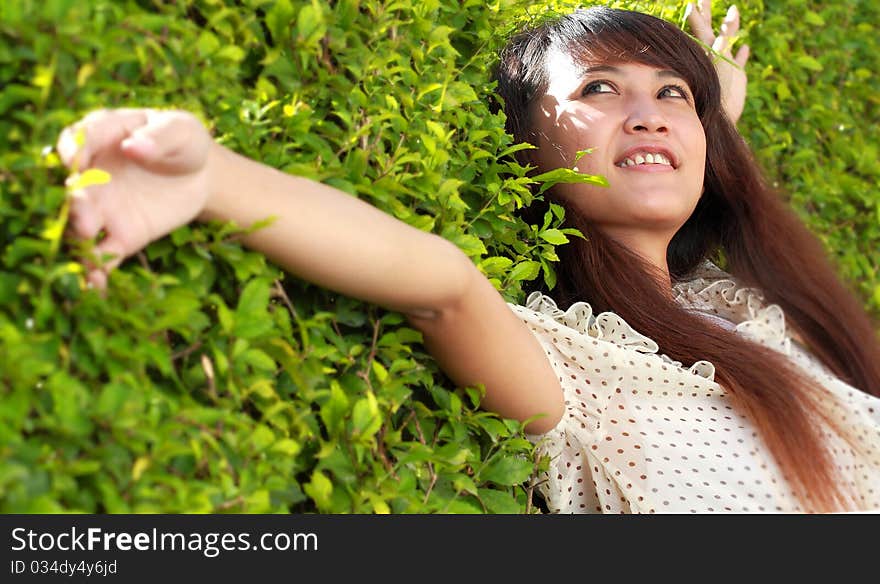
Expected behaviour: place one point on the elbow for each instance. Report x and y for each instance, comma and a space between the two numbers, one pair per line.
546, 422
457, 278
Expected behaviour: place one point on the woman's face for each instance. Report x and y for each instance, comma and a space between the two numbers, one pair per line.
645, 136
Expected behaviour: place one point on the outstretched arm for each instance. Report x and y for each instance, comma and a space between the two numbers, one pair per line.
730, 68
166, 171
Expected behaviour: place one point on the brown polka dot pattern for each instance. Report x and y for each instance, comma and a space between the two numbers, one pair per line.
645, 434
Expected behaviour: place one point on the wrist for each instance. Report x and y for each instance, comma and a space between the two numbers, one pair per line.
216, 173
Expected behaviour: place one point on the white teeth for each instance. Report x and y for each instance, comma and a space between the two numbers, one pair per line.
646, 158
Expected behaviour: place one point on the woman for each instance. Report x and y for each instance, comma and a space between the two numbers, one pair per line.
745, 427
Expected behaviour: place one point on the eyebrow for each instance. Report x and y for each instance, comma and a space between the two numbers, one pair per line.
613, 69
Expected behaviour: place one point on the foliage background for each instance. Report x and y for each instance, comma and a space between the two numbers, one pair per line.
209, 381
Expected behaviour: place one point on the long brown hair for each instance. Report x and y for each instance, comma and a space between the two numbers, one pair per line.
765, 244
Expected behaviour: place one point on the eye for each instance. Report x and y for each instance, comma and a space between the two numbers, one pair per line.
674, 91
598, 87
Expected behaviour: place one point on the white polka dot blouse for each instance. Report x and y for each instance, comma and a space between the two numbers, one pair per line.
645, 434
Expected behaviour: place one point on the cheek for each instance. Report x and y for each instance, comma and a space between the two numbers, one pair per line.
558, 143
695, 145
554, 147
696, 136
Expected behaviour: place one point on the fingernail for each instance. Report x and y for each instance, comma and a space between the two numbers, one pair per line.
688, 9
140, 144
66, 147
732, 11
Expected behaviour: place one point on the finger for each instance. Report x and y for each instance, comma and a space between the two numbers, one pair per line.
154, 140
97, 279
742, 56
163, 140
722, 45
702, 28
705, 6
730, 25
85, 218
108, 255
78, 143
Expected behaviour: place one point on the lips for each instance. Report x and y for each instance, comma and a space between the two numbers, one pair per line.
647, 154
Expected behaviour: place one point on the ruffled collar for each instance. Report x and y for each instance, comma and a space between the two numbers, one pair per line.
608, 326
711, 290
707, 289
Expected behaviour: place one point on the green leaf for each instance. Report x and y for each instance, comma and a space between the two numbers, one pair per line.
495, 265
813, 18
251, 317
335, 409
279, 19
261, 437
554, 236
259, 360
506, 469
567, 175
320, 489
287, 447
525, 270
516, 148
310, 23
365, 418
499, 502
808, 62
379, 371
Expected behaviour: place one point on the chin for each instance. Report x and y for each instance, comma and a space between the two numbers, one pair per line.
662, 214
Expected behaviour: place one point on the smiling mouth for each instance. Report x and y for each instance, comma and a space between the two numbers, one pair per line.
645, 158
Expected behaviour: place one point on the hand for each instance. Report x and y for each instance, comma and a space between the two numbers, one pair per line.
731, 70
159, 178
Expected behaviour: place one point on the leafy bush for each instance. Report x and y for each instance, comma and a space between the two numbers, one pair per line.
209, 381
812, 119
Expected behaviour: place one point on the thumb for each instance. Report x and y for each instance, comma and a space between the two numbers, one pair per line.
141, 147
170, 142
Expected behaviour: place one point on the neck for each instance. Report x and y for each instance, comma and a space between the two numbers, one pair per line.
652, 247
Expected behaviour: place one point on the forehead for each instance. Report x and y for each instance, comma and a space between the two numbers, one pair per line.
564, 71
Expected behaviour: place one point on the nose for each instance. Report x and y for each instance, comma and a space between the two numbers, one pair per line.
645, 117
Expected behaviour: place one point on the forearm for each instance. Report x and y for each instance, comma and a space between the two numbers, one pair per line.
334, 240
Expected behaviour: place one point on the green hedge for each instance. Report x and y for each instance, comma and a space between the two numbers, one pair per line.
208, 380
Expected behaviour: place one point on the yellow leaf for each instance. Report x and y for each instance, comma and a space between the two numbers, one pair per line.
140, 465
55, 227
82, 76
43, 76
379, 506
54, 230
89, 178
